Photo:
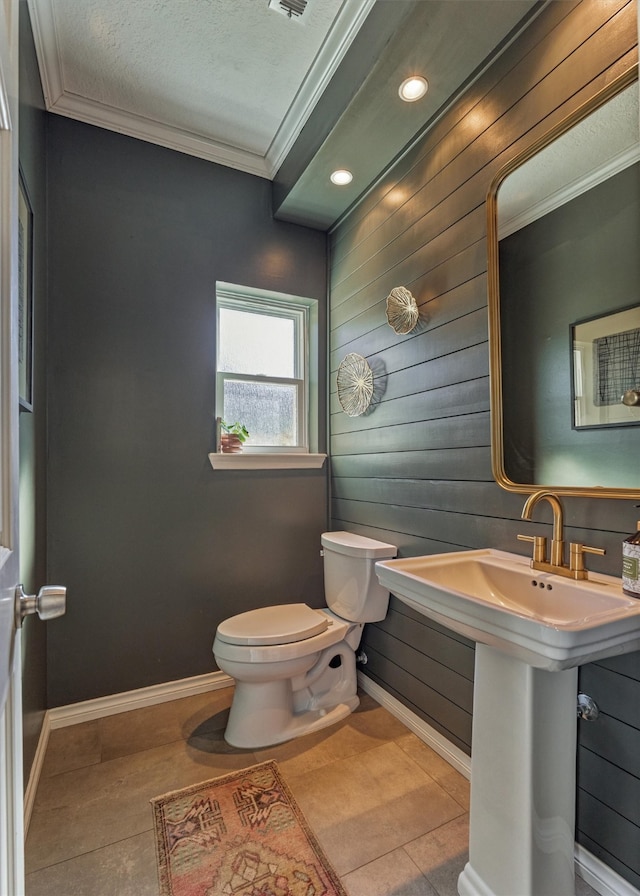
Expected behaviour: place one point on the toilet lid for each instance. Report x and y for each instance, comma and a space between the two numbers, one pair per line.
283, 624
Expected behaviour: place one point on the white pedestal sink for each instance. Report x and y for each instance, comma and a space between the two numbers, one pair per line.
532, 631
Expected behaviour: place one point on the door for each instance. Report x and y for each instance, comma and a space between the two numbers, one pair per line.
11, 802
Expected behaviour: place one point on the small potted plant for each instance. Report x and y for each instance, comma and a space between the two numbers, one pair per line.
232, 437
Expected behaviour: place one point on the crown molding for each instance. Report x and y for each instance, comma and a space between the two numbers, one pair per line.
348, 23
151, 131
46, 43
568, 192
62, 102
58, 100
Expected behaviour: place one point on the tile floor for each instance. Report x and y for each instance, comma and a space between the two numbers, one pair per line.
389, 812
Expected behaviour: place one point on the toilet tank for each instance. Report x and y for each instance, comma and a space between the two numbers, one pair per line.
351, 587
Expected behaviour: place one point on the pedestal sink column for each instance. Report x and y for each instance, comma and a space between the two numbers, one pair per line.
522, 819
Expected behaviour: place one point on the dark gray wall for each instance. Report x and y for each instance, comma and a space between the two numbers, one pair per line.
415, 470
577, 262
155, 547
32, 135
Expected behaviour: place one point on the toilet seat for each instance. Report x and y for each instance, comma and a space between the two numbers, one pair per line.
283, 624
336, 630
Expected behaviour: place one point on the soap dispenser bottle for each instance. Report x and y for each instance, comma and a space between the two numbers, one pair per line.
631, 564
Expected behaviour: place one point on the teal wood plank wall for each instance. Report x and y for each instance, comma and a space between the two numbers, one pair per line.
415, 470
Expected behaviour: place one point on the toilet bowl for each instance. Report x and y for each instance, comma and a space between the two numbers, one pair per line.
294, 667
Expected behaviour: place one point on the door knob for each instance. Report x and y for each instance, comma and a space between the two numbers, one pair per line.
50, 602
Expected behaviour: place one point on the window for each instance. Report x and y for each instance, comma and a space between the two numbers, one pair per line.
266, 347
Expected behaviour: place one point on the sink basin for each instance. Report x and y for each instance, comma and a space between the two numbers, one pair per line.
495, 598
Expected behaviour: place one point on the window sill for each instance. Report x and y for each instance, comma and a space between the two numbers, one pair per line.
267, 461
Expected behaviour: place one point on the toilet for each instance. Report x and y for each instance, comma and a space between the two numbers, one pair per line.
295, 667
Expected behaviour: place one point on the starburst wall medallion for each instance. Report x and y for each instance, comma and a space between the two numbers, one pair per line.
355, 385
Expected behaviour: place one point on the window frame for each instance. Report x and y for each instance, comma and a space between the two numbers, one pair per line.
304, 313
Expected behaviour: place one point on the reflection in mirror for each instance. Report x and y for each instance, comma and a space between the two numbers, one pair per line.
564, 305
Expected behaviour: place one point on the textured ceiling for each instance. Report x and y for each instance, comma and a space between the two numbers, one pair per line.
229, 80
238, 83
187, 64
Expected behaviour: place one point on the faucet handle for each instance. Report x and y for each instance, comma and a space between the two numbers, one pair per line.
539, 546
576, 558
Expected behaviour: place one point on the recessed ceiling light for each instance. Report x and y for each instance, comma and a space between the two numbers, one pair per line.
413, 89
342, 177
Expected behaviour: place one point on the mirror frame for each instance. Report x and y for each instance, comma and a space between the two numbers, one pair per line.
493, 285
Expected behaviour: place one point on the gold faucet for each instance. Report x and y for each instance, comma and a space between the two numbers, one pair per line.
576, 568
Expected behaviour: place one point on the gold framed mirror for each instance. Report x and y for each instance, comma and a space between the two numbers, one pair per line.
563, 231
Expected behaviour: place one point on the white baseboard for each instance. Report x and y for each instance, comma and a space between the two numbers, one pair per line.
74, 713
453, 755
603, 879
36, 771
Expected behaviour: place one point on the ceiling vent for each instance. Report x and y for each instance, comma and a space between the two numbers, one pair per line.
293, 9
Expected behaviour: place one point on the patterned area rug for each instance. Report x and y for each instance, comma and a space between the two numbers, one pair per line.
239, 835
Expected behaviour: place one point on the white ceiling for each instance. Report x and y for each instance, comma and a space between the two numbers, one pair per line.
234, 81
